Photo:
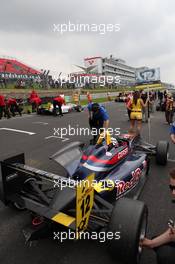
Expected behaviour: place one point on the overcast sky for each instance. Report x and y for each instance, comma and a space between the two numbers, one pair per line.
146, 36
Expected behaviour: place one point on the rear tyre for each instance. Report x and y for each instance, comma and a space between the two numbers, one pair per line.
129, 217
162, 152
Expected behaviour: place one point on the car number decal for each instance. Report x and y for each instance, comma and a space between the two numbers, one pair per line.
84, 203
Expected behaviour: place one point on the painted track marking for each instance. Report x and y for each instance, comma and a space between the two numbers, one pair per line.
18, 131
64, 139
42, 123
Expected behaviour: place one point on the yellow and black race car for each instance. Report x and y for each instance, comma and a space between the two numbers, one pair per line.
97, 194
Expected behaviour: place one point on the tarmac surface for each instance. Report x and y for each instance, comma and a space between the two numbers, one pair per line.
34, 135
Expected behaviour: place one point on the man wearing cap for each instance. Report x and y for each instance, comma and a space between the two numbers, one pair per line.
98, 119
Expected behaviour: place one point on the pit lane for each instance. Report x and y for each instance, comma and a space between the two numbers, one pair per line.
38, 147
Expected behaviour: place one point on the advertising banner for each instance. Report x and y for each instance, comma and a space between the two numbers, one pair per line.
150, 75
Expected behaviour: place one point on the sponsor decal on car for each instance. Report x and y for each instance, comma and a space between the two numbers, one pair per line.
123, 186
123, 153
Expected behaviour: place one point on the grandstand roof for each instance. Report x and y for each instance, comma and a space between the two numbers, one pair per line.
12, 65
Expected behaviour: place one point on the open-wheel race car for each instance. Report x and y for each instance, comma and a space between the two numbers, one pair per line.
99, 191
120, 98
48, 110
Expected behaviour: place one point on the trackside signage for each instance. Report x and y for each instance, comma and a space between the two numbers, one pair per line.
6, 75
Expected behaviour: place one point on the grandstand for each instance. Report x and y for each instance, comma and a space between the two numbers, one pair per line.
10, 65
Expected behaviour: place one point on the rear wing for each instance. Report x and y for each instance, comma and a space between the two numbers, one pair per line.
8, 177
70, 206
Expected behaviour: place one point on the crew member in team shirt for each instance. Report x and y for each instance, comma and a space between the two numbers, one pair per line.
13, 106
35, 100
58, 101
3, 108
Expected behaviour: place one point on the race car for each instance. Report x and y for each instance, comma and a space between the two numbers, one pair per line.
120, 98
98, 192
48, 110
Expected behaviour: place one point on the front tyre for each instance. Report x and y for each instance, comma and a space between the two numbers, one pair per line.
162, 152
129, 217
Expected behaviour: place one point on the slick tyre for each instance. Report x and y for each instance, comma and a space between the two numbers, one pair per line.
129, 217
162, 152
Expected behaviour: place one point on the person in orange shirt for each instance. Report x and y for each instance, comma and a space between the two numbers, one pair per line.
127, 103
169, 110
76, 98
89, 97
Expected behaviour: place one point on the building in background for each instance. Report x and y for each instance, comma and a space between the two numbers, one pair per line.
112, 67
109, 66
139, 77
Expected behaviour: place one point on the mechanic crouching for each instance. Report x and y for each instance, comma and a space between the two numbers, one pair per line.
58, 101
14, 106
98, 120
